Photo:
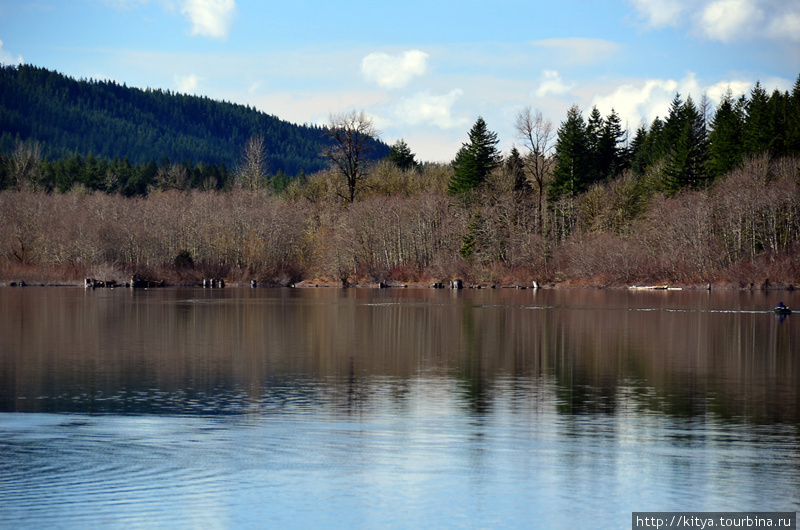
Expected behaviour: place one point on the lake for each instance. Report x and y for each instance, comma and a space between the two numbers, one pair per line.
393, 408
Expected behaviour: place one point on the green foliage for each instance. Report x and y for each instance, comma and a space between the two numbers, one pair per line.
686, 158
113, 121
475, 160
279, 182
515, 166
571, 174
692, 156
469, 241
612, 155
400, 155
725, 140
594, 131
793, 120
757, 127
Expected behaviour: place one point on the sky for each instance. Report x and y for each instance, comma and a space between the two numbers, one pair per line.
424, 71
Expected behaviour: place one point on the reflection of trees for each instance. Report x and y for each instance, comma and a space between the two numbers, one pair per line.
472, 381
198, 351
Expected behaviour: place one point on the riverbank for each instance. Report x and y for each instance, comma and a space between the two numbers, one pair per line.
40, 276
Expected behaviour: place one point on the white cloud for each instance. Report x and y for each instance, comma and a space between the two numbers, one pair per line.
187, 84
645, 99
210, 18
660, 13
552, 84
639, 101
786, 27
729, 20
394, 71
737, 87
579, 50
7, 57
424, 108
725, 21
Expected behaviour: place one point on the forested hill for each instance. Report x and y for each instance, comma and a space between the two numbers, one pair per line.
108, 120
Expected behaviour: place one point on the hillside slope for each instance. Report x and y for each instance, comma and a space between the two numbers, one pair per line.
68, 116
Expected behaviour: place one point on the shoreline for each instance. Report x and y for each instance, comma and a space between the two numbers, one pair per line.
328, 284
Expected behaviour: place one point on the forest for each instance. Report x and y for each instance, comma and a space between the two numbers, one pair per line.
115, 124
705, 196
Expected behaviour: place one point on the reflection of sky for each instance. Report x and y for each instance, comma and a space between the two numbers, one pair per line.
420, 457
449, 409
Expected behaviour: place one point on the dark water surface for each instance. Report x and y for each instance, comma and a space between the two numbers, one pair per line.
394, 408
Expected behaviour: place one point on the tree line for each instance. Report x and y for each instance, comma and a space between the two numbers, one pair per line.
702, 196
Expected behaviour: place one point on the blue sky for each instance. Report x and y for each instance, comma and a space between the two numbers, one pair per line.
423, 70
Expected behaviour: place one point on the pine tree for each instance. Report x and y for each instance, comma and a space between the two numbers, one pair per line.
475, 160
777, 113
686, 161
646, 148
756, 137
725, 139
400, 154
793, 120
515, 167
673, 128
570, 176
594, 134
639, 159
611, 155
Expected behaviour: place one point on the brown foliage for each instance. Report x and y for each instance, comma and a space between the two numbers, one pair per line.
404, 228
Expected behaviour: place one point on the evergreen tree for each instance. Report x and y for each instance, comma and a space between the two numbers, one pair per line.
570, 175
725, 139
400, 154
475, 160
673, 128
777, 114
92, 176
639, 159
594, 133
793, 120
646, 148
611, 154
515, 167
5, 172
756, 137
686, 161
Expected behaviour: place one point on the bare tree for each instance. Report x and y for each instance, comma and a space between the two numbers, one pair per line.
26, 162
253, 168
537, 136
172, 177
351, 134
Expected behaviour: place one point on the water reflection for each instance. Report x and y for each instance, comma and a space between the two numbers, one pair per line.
218, 352
392, 408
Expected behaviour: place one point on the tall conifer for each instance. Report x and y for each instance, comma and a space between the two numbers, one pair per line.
475, 160
570, 176
725, 139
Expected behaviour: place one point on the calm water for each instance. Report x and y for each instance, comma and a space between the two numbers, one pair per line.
393, 408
